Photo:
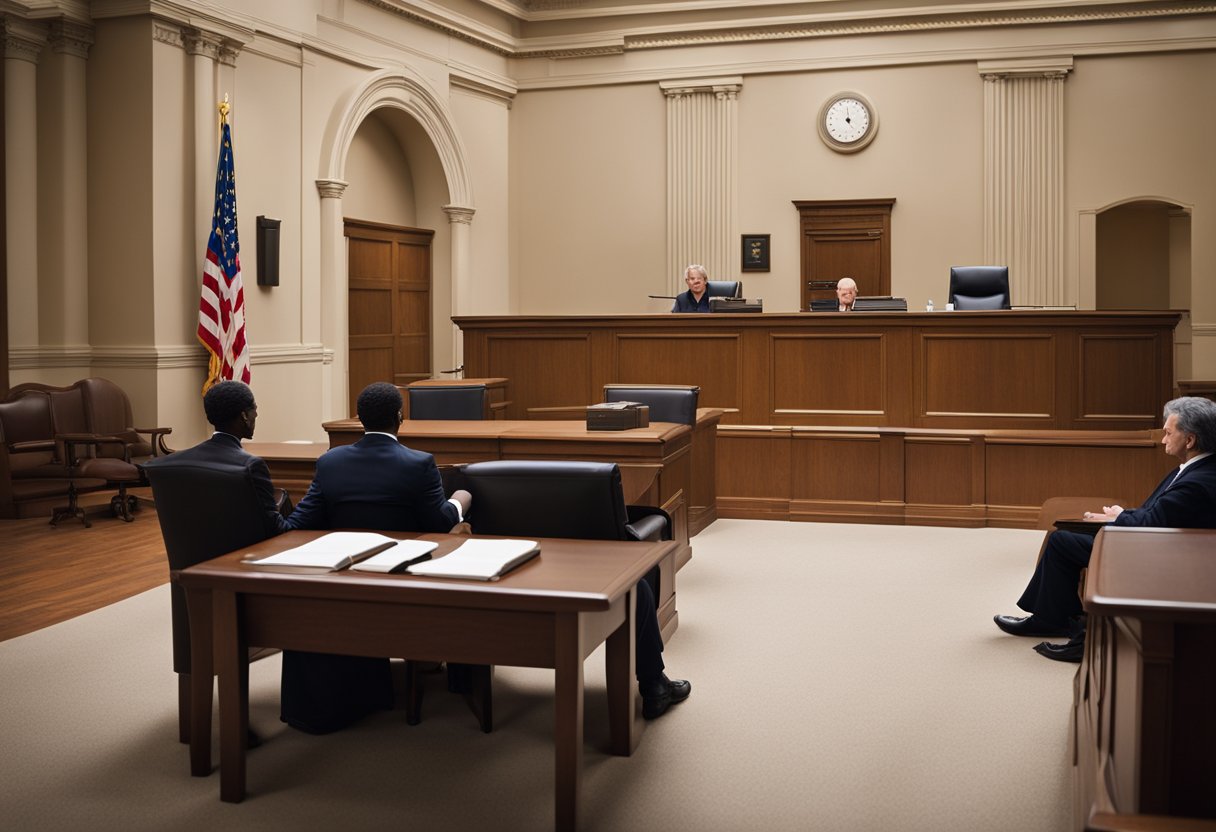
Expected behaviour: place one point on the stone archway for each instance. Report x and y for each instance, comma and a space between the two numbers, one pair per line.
401, 89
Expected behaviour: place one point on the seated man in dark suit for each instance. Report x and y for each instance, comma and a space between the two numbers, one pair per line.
1185, 499
696, 299
232, 411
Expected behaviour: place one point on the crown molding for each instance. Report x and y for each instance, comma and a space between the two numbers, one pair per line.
450, 23
76, 11
1050, 66
197, 15
481, 83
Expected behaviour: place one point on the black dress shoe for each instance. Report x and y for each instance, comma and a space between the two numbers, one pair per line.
1029, 626
660, 694
1071, 651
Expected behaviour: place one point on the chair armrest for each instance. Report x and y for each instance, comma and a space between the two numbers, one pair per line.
32, 446
157, 435
648, 523
283, 503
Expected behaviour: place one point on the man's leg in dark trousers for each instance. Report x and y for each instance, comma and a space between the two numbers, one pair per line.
649, 650
1051, 594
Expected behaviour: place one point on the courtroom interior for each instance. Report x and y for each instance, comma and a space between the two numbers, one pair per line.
494, 205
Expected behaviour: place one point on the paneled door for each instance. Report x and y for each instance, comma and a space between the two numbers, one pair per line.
845, 238
389, 294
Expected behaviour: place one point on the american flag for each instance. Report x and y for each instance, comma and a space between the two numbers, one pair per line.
221, 309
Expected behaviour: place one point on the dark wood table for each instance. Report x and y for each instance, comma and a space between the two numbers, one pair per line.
551, 612
1145, 699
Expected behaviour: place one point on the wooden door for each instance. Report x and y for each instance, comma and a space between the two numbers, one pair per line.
845, 238
389, 296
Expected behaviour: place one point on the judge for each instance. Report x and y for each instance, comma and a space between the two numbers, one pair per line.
696, 299
846, 294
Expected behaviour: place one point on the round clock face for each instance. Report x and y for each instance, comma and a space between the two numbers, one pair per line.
847, 122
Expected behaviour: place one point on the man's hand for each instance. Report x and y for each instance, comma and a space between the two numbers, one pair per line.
1107, 514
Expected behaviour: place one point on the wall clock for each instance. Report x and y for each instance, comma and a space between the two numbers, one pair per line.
847, 122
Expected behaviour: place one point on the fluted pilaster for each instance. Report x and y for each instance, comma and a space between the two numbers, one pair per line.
1024, 177
702, 176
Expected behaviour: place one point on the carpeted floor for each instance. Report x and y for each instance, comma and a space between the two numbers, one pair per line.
844, 678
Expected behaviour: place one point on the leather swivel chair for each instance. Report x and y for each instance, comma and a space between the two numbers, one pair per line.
667, 403
724, 288
461, 402
979, 287
581, 500
205, 510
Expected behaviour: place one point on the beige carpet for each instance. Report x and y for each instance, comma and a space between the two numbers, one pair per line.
845, 678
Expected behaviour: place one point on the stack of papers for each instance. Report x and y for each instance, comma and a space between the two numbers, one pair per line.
333, 551
477, 559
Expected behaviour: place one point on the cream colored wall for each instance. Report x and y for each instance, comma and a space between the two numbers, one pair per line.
381, 187
1133, 257
1142, 126
587, 200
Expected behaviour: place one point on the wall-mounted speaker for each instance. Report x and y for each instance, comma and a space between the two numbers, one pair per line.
268, 251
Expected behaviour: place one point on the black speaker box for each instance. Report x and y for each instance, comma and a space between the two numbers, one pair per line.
268, 251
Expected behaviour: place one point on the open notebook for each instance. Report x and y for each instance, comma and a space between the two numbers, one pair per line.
478, 559
367, 551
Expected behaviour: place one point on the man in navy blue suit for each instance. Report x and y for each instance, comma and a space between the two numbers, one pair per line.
378, 483
1185, 499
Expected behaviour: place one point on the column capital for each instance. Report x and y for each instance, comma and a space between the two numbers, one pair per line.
331, 188
1052, 66
722, 88
198, 42
23, 39
68, 38
459, 214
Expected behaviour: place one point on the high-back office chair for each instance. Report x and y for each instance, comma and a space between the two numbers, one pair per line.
724, 288
232, 519
979, 287
667, 403
465, 401
581, 500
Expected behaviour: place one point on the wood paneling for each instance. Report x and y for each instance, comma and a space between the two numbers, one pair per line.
923, 477
1011, 369
844, 238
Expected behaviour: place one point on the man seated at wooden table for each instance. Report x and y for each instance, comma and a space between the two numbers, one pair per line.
1185, 499
378, 483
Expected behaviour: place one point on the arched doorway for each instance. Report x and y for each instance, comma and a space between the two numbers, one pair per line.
405, 105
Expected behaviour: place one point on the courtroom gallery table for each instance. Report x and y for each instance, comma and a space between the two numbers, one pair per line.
551, 612
1145, 694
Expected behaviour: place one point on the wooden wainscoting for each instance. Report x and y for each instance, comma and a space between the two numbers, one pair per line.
923, 477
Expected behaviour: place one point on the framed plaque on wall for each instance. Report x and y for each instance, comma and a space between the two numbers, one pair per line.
755, 252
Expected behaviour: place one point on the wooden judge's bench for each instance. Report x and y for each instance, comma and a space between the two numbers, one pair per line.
945, 418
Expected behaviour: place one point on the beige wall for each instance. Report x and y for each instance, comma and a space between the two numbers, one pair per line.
381, 187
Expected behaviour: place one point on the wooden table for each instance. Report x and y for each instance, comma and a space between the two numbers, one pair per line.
551, 612
1145, 698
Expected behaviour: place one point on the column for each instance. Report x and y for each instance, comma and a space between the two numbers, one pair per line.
335, 324
203, 49
23, 42
460, 225
1024, 177
702, 164
63, 258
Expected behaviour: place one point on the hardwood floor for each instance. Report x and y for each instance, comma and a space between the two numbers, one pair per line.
48, 574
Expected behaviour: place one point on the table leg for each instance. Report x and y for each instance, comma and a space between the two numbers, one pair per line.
619, 663
232, 658
568, 707
202, 680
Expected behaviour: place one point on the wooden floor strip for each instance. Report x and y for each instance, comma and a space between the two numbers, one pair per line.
48, 574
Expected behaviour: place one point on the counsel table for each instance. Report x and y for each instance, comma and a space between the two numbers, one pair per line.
551, 612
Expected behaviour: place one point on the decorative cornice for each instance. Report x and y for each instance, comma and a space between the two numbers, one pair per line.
331, 188
229, 50
480, 84
198, 42
450, 23
69, 38
167, 33
720, 87
23, 39
459, 214
1046, 67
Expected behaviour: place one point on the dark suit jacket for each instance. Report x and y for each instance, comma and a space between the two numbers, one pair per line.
1188, 503
376, 483
685, 302
225, 449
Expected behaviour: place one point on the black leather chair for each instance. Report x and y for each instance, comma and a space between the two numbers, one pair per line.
724, 288
204, 511
667, 403
979, 287
581, 500
465, 401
